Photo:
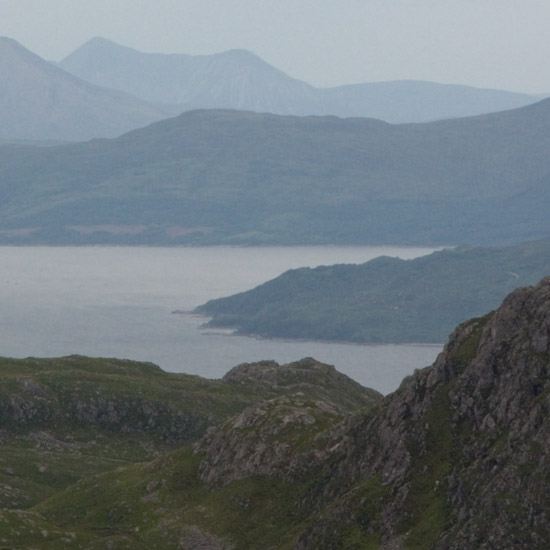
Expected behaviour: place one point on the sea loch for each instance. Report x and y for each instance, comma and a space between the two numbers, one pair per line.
118, 302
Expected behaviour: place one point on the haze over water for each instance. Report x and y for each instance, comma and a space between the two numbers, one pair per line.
118, 302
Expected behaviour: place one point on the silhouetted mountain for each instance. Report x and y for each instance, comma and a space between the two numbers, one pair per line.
238, 79
240, 178
40, 101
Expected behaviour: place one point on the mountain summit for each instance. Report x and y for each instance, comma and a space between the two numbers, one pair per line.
235, 79
238, 79
230, 177
40, 101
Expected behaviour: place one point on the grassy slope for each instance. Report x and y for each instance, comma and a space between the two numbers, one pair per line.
75, 441
65, 419
232, 177
410, 472
164, 504
385, 299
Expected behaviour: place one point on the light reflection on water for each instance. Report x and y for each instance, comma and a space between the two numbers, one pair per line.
118, 302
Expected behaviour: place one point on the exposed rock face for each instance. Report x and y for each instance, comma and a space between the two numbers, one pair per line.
284, 437
269, 372
281, 438
461, 449
32, 406
306, 375
455, 459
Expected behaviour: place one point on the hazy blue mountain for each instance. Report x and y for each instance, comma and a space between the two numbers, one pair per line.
234, 79
386, 299
238, 79
417, 101
40, 101
242, 178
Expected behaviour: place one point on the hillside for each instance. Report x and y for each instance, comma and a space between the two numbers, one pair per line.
385, 299
229, 177
456, 458
238, 79
64, 419
40, 101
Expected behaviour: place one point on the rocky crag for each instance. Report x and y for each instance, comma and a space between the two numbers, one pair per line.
456, 458
65, 419
460, 450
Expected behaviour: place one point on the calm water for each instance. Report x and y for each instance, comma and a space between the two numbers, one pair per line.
118, 302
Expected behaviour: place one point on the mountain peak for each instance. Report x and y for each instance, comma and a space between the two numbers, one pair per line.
6, 40
10, 45
239, 79
468, 435
39, 100
101, 44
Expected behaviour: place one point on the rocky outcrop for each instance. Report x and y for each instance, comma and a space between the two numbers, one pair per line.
307, 370
306, 375
455, 459
30, 406
460, 452
281, 438
284, 437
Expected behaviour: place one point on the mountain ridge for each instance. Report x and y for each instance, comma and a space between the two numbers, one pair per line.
230, 177
456, 457
40, 101
184, 80
221, 81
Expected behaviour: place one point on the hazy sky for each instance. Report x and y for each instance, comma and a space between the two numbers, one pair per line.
488, 43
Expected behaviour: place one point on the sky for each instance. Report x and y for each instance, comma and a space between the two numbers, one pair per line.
503, 44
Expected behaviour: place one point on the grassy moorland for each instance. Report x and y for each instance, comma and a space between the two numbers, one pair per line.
64, 419
308, 461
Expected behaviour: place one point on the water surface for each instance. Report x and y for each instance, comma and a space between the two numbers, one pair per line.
118, 302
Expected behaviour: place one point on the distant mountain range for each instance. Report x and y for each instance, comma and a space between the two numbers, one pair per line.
238, 79
230, 177
104, 90
40, 101
234, 79
386, 299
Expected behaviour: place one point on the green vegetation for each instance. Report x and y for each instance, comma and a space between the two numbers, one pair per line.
427, 506
88, 451
228, 177
386, 299
295, 456
153, 506
69, 418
